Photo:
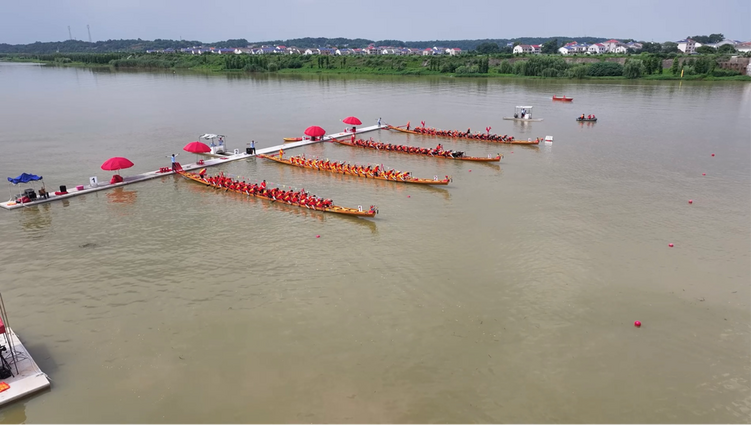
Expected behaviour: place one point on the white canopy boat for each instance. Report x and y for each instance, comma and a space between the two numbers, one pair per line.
215, 142
524, 114
19, 373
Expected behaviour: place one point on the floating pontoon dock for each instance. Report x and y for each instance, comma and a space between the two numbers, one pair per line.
218, 160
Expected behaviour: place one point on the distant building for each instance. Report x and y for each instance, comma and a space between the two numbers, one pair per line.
743, 47
610, 45
620, 49
722, 43
597, 49
634, 45
688, 46
527, 48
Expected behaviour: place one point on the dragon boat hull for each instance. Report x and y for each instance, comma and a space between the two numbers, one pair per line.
412, 180
359, 212
502, 142
462, 158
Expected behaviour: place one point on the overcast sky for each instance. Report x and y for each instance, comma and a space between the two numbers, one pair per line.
27, 21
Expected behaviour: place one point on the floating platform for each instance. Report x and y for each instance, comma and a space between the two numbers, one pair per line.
28, 378
217, 160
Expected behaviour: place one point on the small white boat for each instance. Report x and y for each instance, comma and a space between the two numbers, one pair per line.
548, 139
216, 143
19, 373
524, 114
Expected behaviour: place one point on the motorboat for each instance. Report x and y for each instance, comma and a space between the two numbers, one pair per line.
523, 114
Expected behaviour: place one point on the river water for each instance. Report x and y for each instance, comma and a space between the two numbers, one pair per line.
507, 296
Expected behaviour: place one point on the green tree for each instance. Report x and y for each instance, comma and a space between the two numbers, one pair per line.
669, 47
675, 69
634, 68
708, 39
578, 71
505, 67
605, 69
487, 48
726, 48
550, 47
706, 50
648, 47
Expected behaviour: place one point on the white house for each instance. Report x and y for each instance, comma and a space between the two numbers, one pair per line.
526, 48
597, 49
688, 46
620, 49
567, 50
722, 43
610, 45
634, 45
453, 51
743, 47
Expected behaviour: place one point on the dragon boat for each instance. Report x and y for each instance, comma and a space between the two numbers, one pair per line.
351, 170
415, 150
454, 134
563, 99
239, 187
580, 119
292, 139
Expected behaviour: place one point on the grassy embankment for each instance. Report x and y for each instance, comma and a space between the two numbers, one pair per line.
636, 67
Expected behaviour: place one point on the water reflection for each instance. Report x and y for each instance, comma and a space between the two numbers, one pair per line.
36, 218
121, 196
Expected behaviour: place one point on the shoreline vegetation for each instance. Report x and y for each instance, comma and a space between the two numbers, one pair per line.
466, 65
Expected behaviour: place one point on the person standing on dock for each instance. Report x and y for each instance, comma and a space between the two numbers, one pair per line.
379, 121
252, 147
173, 158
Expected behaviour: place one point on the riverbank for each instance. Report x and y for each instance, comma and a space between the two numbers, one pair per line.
536, 67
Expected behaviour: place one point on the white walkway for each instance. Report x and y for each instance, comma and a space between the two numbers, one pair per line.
11, 204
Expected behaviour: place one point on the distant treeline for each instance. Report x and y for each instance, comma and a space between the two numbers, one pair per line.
138, 45
647, 65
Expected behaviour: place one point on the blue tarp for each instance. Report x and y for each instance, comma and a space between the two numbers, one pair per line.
24, 178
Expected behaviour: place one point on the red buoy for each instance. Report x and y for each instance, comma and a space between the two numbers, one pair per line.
712, 154
690, 201
670, 245
637, 324
470, 171
318, 236
703, 174
409, 196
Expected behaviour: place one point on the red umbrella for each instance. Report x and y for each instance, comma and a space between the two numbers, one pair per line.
197, 147
116, 163
315, 131
352, 120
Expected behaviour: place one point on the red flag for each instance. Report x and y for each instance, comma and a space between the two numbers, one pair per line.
423, 123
